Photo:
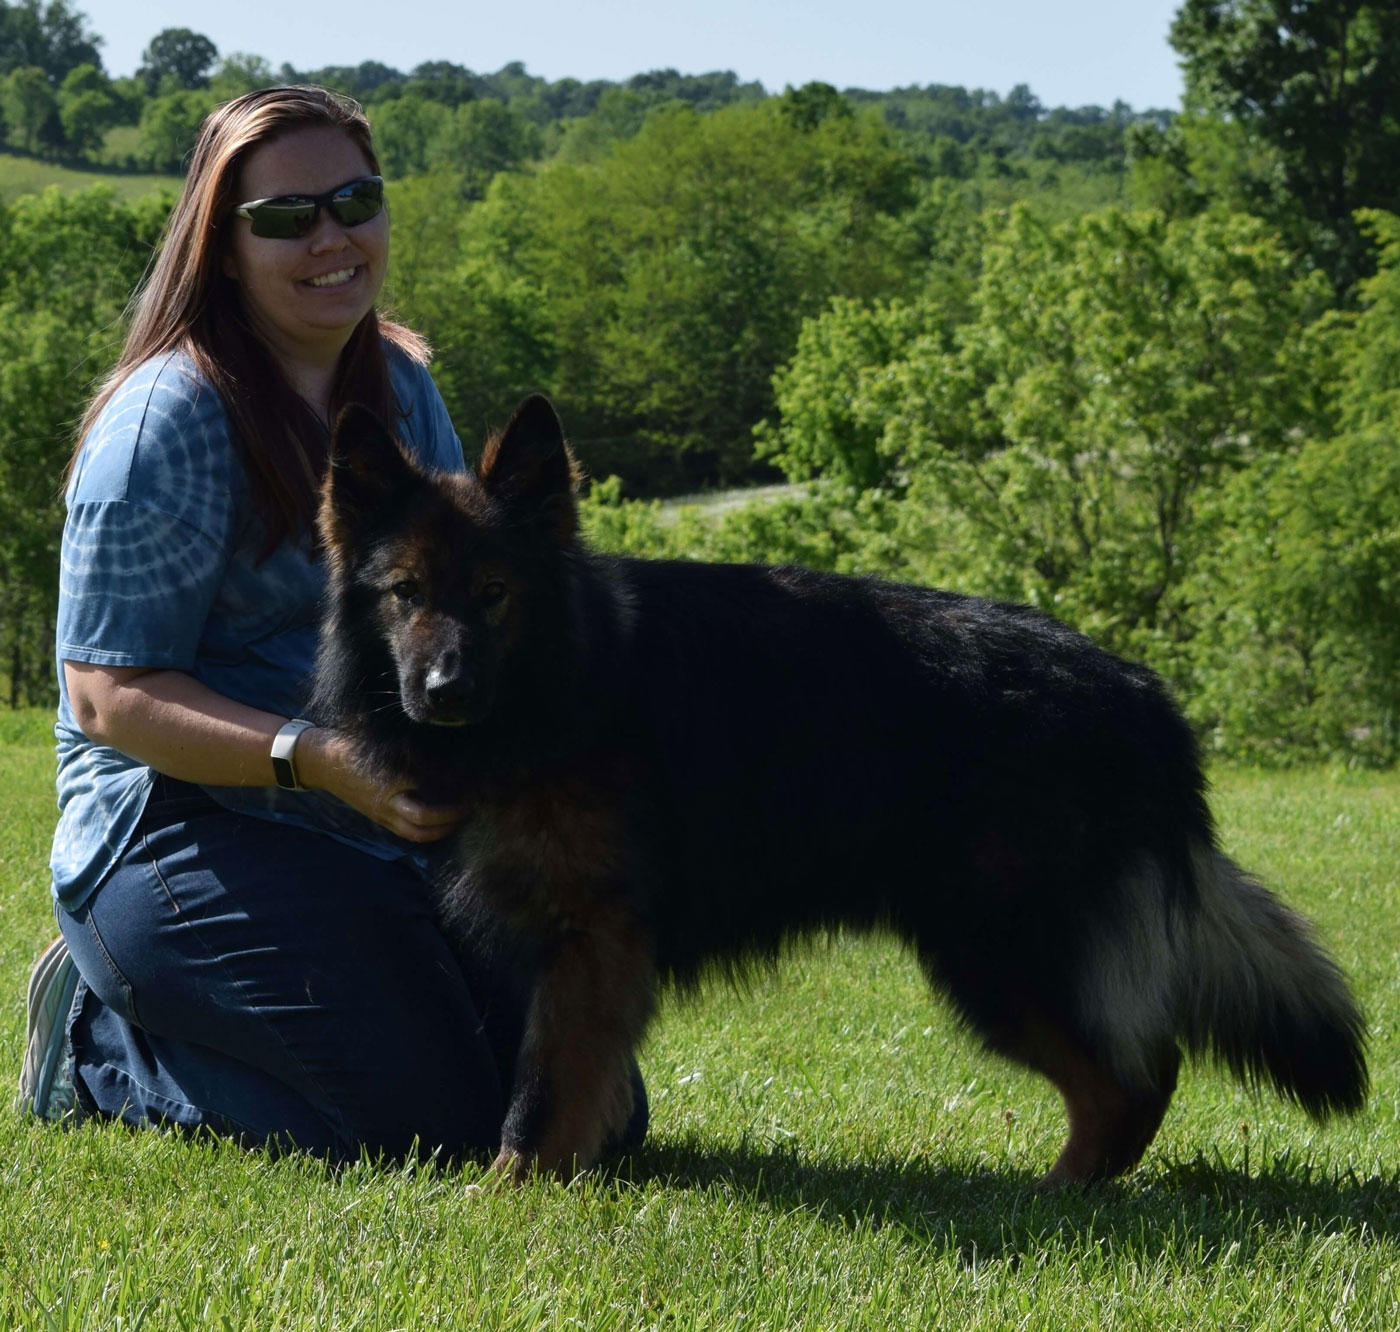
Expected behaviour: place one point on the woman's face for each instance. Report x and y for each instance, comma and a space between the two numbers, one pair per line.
305, 296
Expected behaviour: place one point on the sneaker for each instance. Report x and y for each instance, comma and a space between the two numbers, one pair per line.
46, 1080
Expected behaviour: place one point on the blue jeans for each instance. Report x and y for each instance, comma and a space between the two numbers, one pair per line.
276, 986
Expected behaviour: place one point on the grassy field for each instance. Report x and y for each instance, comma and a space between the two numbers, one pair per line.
30, 175
828, 1151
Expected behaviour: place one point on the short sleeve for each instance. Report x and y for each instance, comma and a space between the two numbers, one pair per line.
427, 428
135, 586
150, 525
447, 447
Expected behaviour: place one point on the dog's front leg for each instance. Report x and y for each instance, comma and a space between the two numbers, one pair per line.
573, 1079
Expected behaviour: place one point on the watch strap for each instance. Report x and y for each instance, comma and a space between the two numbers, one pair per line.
284, 748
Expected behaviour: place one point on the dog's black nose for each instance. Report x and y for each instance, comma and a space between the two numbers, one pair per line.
451, 691
447, 684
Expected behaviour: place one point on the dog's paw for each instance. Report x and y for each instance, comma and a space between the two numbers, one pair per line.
514, 1167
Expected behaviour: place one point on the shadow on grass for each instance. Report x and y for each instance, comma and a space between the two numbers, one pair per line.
1197, 1205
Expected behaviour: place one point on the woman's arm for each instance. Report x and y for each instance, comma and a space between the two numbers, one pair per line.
169, 721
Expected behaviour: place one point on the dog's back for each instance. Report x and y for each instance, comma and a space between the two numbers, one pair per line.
812, 748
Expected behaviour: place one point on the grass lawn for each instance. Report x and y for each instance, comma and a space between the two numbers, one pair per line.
828, 1151
30, 175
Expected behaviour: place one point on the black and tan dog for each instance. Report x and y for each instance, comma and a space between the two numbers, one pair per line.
669, 765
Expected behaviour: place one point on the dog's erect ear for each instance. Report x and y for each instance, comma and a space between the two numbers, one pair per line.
529, 468
367, 473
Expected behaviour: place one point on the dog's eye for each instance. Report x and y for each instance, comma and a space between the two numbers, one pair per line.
407, 589
493, 591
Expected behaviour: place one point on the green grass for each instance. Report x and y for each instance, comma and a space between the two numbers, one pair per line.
121, 142
21, 175
828, 1151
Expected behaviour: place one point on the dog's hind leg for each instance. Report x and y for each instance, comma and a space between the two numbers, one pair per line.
1113, 1113
1111, 1122
1115, 1061
573, 1085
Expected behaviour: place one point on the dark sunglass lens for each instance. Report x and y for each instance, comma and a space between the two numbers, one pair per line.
357, 202
284, 219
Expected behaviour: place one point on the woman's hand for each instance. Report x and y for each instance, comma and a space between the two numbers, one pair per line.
180, 727
325, 762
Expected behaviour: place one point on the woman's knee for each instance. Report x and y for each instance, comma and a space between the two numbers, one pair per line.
95, 962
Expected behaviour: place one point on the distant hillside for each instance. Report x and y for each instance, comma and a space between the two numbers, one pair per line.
20, 175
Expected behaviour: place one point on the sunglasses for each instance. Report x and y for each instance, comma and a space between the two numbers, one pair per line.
292, 216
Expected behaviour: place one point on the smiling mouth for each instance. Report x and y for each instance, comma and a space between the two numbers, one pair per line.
337, 279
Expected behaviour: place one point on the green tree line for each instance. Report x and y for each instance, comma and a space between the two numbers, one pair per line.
1135, 368
67, 267
57, 99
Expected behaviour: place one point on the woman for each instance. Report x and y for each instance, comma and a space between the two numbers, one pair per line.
254, 940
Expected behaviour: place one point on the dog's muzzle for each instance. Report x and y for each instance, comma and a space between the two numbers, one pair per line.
452, 695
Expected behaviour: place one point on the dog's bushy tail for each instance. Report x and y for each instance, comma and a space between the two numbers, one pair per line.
1263, 996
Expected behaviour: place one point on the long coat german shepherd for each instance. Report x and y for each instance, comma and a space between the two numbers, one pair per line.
671, 765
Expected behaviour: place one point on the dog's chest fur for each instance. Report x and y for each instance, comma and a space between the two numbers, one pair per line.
547, 855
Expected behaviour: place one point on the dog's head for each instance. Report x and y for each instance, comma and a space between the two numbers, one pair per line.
436, 580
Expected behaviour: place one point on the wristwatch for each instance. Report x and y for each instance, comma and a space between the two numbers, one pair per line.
284, 748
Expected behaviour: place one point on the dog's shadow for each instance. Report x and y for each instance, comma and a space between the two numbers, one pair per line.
979, 1212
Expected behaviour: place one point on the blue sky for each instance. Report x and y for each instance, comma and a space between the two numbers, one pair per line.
1074, 52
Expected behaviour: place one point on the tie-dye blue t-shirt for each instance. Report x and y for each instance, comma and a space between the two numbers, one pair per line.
161, 567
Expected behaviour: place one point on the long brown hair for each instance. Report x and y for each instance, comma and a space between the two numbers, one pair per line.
187, 304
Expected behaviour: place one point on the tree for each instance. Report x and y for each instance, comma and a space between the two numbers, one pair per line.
1318, 80
178, 59
77, 256
675, 272
826, 423
87, 107
51, 36
1202, 161
488, 325
42, 383
486, 137
29, 102
367, 81
806, 107
441, 81
240, 73
68, 263
1118, 367
618, 115
1056, 447
169, 126
408, 134
1298, 651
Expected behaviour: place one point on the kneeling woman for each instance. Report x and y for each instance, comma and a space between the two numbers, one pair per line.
254, 938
